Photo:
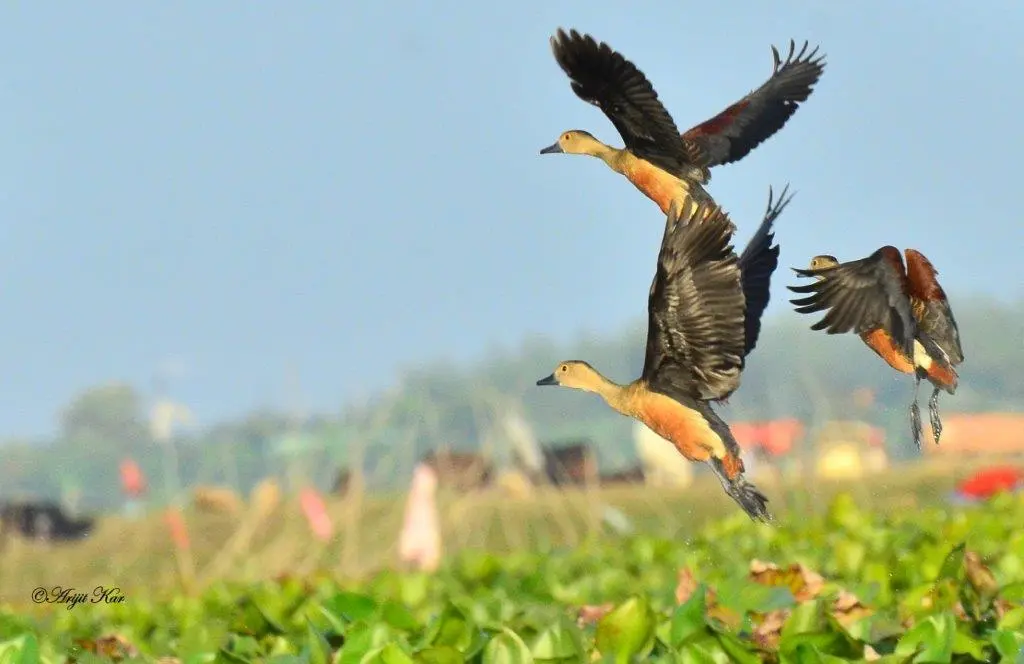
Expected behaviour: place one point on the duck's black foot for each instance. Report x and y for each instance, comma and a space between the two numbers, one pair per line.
933, 416
915, 423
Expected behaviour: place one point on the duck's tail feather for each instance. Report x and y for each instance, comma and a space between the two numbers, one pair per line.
749, 497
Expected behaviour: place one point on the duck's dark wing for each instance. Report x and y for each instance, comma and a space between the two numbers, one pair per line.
757, 263
603, 77
733, 133
695, 309
934, 315
861, 295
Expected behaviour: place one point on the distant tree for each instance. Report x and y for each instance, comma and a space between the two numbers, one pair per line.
108, 415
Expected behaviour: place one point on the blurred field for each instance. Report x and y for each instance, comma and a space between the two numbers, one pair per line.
138, 555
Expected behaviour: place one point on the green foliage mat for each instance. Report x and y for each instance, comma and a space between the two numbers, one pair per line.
929, 586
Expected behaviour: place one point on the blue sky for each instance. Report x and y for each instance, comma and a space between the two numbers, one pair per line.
241, 192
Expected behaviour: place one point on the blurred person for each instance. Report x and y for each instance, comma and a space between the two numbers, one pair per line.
420, 540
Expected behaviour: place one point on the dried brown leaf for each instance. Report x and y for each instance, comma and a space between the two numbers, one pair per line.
591, 613
804, 583
848, 608
686, 585
768, 629
113, 647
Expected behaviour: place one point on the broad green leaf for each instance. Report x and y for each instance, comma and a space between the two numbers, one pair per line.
1012, 620
398, 616
934, 634
1008, 644
626, 631
439, 655
20, 650
507, 648
452, 628
690, 617
560, 641
351, 606
964, 644
953, 565
317, 646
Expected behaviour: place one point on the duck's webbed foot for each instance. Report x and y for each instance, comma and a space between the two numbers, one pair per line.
915, 423
933, 415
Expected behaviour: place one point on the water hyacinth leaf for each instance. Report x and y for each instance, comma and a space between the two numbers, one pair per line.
451, 628
628, 630
1008, 644
738, 652
351, 606
953, 565
1012, 620
690, 617
439, 655
317, 646
559, 642
397, 616
934, 635
506, 648
20, 650
808, 653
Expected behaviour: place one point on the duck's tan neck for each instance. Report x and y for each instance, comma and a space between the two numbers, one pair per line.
619, 397
615, 158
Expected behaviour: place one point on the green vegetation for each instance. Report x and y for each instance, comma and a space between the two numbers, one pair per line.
929, 585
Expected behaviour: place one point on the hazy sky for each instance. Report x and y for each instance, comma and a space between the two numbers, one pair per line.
238, 190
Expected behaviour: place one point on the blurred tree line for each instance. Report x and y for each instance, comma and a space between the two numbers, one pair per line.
793, 372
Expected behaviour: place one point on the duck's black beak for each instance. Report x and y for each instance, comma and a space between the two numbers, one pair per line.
550, 380
554, 148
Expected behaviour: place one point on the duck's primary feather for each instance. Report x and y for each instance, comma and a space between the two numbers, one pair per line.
757, 264
733, 133
861, 296
695, 336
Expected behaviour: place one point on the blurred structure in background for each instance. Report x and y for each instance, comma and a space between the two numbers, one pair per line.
979, 434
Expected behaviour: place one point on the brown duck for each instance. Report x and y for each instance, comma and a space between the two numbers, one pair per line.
704, 311
900, 312
662, 163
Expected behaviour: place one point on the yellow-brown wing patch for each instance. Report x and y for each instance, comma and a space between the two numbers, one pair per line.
882, 343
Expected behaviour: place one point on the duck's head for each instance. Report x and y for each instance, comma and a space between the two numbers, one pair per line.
575, 374
823, 261
574, 141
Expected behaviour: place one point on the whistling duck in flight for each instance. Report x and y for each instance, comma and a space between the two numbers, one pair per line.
662, 163
900, 312
700, 330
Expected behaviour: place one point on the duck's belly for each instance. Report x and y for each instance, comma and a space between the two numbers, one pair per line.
686, 429
879, 341
657, 185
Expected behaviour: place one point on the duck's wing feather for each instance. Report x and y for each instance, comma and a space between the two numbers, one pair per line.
605, 78
935, 317
757, 264
861, 295
695, 333
733, 133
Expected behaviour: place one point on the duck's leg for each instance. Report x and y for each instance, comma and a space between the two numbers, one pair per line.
933, 415
915, 413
